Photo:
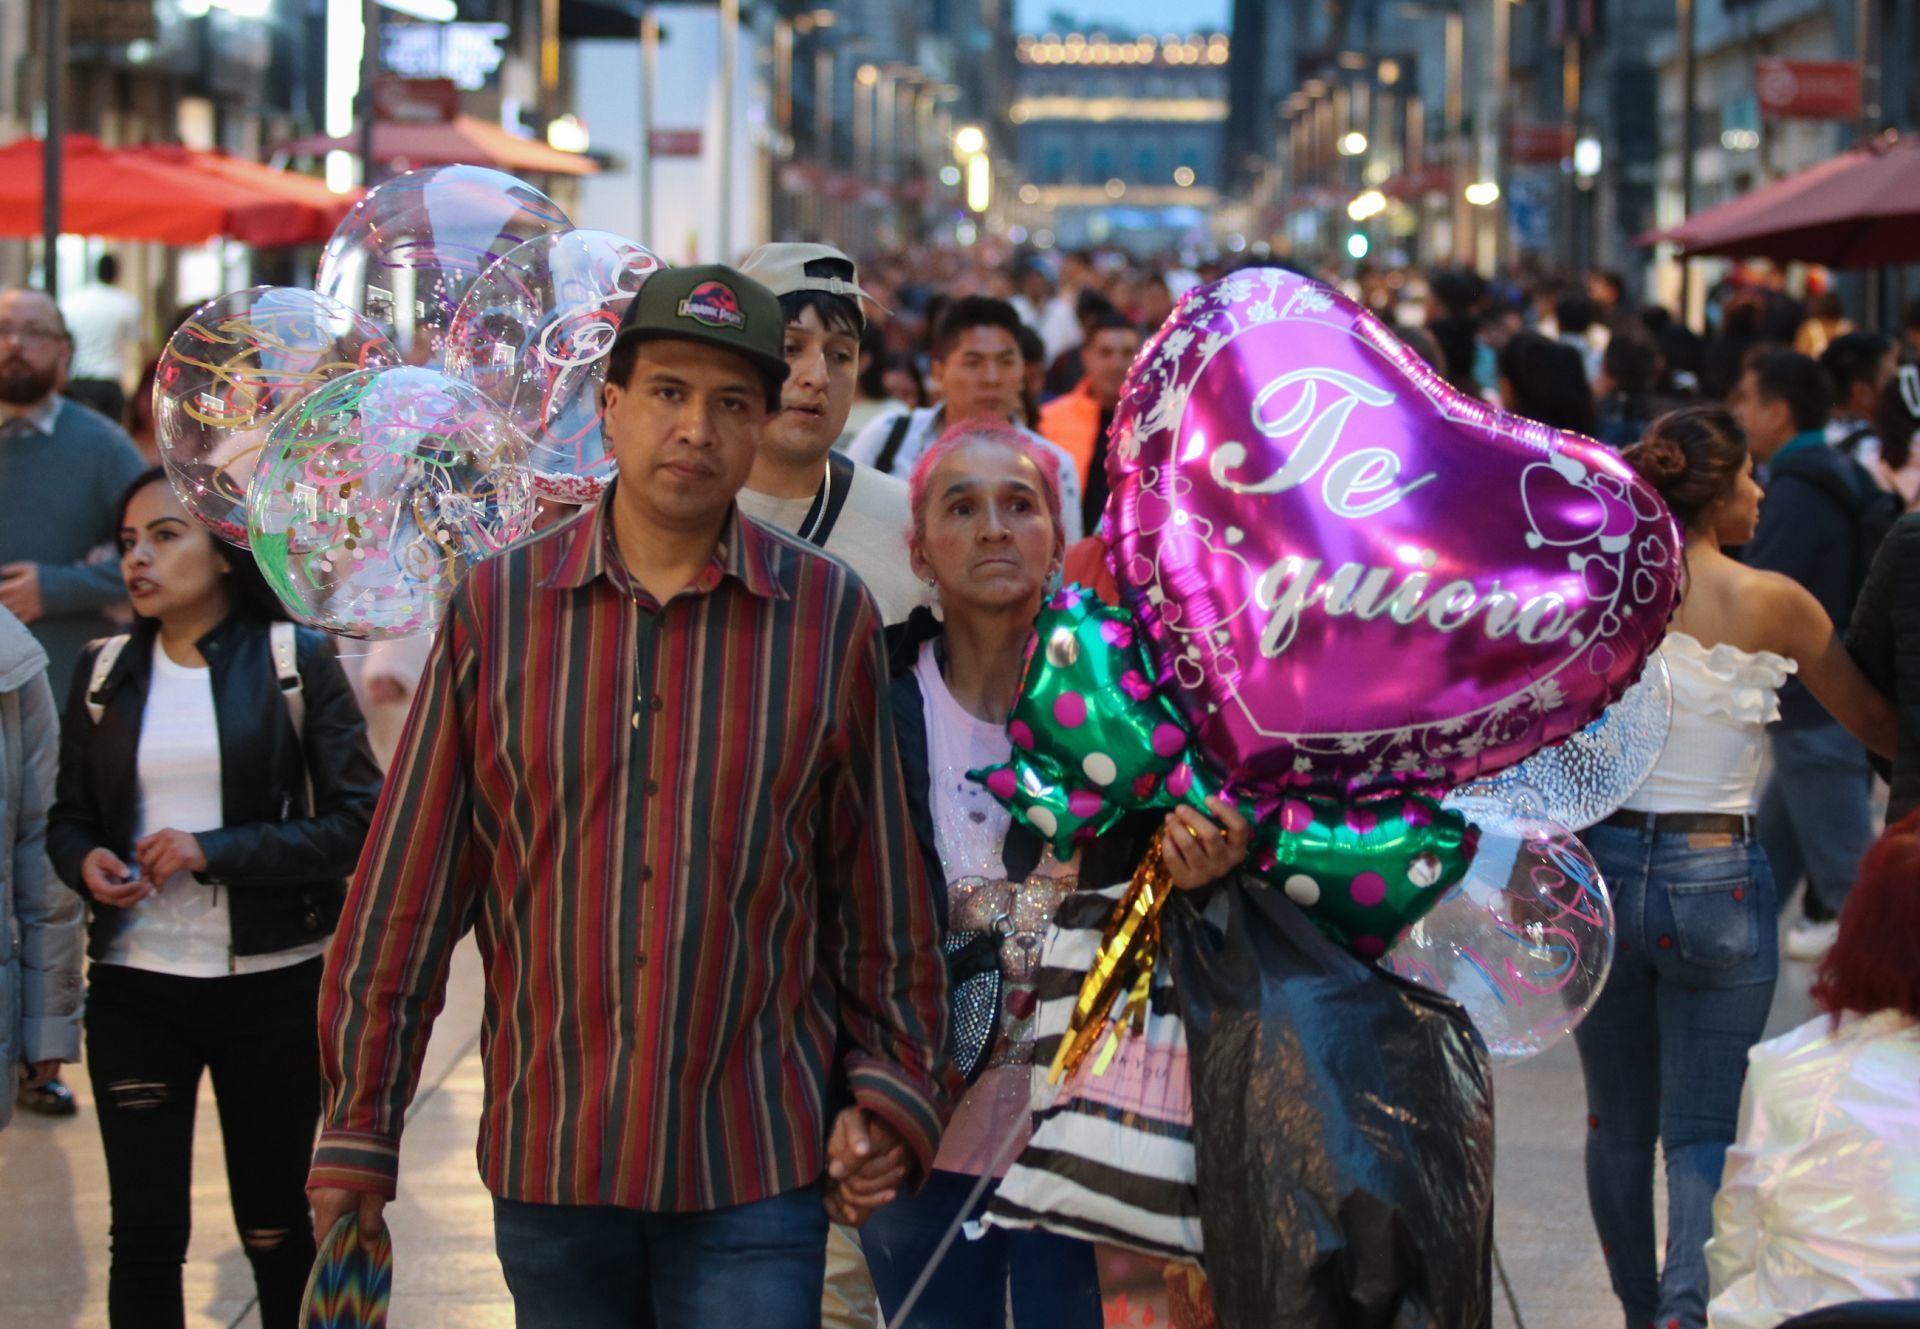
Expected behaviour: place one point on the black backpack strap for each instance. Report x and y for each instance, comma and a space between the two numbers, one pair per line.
891, 449
828, 500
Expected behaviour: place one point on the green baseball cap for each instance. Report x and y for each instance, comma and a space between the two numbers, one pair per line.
716, 306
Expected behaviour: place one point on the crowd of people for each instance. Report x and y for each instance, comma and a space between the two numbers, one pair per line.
718, 1086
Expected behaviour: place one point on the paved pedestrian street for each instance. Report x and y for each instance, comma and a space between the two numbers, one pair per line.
53, 1226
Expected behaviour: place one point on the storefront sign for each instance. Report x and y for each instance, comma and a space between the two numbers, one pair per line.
674, 143
1807, 89
467, 54
1539, 145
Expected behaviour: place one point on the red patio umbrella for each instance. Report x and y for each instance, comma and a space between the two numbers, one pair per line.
266, 181
463, 139
1857, 210
123, 196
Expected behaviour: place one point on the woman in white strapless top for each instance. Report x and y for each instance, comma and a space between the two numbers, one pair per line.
1664, 1049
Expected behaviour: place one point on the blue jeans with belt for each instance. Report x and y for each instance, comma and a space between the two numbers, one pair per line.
600, 1267
1664, 1051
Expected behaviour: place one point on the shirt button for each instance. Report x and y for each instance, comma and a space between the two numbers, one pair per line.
656, 705
653, 787
646, 874
640, 960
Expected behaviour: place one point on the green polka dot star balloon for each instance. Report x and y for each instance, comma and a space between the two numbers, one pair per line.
1093, 739
1367, 869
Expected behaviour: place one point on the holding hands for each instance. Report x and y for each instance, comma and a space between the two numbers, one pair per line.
866, 1162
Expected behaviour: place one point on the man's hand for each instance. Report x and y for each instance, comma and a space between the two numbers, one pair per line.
331, 1203
866, 1162
166, 852
20, 590
108, 881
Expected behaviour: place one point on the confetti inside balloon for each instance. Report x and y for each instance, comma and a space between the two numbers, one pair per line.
533, 333
1525, 942
377, 494
1092, 738
1585, 779
1363, 869
408, 252
231, 371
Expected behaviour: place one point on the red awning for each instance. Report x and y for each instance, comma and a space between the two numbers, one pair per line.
122, 196
265, 181
1859, 209
464, 139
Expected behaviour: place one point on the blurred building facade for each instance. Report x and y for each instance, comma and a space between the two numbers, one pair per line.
1122, 137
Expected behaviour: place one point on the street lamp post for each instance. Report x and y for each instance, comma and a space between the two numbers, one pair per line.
53, 146
729, 48
1684, 17
643, 159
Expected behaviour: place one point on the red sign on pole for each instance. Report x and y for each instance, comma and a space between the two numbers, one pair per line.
674, 143
1807, 89
1539, 145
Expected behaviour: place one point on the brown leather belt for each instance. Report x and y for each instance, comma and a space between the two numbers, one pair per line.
1684, 823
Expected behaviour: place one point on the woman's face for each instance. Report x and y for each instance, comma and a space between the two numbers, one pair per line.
985, 536
1736, 516
167, 559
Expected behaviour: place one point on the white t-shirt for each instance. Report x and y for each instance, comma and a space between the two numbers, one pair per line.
924, 428
870, 536
103, 321
185, 927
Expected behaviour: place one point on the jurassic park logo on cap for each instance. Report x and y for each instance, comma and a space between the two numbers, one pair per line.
714, 304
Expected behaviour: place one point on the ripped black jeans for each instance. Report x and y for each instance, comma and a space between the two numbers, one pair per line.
149, 1036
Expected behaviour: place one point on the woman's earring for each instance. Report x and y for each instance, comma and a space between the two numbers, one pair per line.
933, 594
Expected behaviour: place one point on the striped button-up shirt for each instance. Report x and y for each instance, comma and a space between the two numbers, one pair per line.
680, 835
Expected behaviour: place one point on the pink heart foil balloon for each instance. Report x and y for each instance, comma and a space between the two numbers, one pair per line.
1352, 577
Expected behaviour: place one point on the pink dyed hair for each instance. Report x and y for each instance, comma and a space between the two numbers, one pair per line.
983, 431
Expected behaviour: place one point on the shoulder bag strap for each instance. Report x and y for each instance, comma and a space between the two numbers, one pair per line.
828, 501
895, 438
286, 668
103, 664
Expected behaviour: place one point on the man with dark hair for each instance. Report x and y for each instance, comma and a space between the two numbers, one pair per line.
104, 322
977, 371
63, 469
1623, 392
1814, 819
652, 766
1578, 321
799, 483
1079, 421
1860, 364
1067, 368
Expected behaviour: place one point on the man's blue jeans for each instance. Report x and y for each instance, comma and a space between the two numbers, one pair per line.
1664, 1052
1815, 820
601, 1267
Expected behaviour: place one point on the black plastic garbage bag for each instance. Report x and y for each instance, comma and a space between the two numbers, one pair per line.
1343, 1123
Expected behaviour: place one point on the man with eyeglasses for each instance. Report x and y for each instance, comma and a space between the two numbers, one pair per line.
63, 469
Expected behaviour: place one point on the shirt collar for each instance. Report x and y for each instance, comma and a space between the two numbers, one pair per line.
1812, 438
41, 416
745, 551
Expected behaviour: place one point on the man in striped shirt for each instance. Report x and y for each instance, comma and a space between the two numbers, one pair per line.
652, 765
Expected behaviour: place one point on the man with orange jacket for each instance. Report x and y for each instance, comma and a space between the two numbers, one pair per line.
1078, 422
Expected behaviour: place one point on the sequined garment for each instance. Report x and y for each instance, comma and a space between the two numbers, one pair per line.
970, 834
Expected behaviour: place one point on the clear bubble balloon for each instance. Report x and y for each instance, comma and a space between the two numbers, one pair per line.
409, 250
1586, 778
533, 333
379, 492
231, 371
1525, 942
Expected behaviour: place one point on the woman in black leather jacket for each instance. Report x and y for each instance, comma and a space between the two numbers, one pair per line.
215, 788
